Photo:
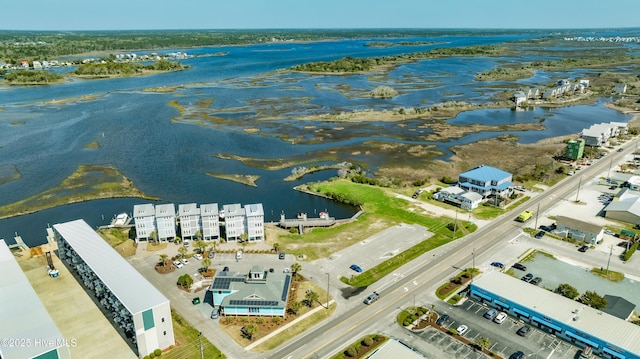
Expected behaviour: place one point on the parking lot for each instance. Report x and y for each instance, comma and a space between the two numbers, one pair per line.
503, 337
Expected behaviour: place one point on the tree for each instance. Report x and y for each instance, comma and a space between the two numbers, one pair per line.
206, 262
483, 342
182, 251
567, 290
185, 281
294, 307
295, 268
276, 247
251, 330
201, 246
164, 258
310, 297
593, 299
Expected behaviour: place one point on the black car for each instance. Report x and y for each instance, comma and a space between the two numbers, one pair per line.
536, 281
527, 277
539, 234
517, 355
583, 249
545, 228
524, 331
281, 255
443, 318
225, 269
519, 266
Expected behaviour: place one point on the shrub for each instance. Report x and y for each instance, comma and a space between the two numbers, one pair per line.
367, 342
151, 356
351, 352
157, 352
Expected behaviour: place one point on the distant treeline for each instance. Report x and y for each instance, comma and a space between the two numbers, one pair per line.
32, 77
125, 69
47, 45
350, 64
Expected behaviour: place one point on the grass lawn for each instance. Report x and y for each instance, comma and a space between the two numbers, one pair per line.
381, 210
188, 342
610, 275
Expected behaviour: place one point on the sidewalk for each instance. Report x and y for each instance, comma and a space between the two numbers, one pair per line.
288, 325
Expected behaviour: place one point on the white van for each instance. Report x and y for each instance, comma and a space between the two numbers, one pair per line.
238, 255
500, 318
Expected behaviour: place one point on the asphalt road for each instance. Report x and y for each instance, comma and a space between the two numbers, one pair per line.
430, 270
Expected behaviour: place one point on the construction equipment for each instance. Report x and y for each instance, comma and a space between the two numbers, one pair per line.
51, 269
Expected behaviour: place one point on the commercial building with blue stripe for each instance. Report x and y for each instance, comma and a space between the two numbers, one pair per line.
609, 336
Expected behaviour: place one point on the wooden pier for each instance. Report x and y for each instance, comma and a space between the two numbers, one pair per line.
303, 221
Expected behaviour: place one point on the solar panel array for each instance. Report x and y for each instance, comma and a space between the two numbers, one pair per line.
285, 288
225, 282
259, 303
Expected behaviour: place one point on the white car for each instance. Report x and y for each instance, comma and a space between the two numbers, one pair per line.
571, 173
500, 318
197, 256
462, 329
184, 261
178, 264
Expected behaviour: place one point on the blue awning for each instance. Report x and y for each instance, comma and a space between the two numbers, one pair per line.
483, 296
613, 353
586, 341
545, 323
518, 311
504, 305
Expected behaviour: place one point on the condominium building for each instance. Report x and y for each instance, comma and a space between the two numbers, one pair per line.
255, 221
189, 220
210, 221
234, 219
166, 221
145, 221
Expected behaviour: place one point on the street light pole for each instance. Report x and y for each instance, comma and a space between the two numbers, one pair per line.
327, 290
578, 192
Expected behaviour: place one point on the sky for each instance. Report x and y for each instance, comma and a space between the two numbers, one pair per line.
296, 14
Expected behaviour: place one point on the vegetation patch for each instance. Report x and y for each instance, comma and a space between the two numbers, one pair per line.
608, 274
88, 182
8, 173
24, 77
456, 283
92, 145
362, 347
109, 69
187, 340
248, 180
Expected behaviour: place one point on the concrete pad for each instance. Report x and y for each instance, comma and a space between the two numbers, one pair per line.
78, 318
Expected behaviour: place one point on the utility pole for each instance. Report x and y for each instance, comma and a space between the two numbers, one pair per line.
473, 263
537, 211
609, 170
455, 225
201, 347
327, 290
609, 261
578, 192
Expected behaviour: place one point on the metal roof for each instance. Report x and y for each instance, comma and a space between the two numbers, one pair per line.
189, 209
271, 292
254, 210
233, 210
571, 313
165, 210
22, 314
393, 349
124, 281
486, 173
209, 209
143, 210
578, 224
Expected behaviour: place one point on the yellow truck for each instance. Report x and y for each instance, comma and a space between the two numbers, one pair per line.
524, 216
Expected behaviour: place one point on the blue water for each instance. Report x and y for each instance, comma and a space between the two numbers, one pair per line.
170, 159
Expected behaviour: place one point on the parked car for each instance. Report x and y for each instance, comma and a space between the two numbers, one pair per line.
536, 281
570, 173
178, 264
490, 314
519, 266
524, 331
539, 234
281, 255
195, 301
215, 313
500, 318
211, 254
583, 249
356, 268
546, 228
225, 269
527, 277
184, 261
620, 149
443, 318
371, 298
462, 329
517, 355
197, 256
497, 265
185, 243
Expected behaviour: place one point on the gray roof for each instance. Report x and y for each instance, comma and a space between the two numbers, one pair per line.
165, 210
143, 210
631, 205
393, 349
272, 292
253, 210
189, 209
591, 321
232, 210
472, 196
22, 314
578, 224
618, 306
209, 209
124, 281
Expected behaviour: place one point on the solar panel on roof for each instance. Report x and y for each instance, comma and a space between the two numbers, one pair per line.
261, 303
285, 288
225, 282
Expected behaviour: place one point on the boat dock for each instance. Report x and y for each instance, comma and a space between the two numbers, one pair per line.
302, 221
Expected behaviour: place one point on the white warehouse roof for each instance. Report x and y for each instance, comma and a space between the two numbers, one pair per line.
124, 281
22, 314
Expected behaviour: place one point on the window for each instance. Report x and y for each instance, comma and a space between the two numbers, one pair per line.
254, 310
163, 320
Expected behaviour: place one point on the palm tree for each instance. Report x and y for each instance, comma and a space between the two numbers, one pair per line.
276, 247
251, 330
483, 342
311, 297
183, 251
206, 262
295, 268
201, 245
163, 259
295, 307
